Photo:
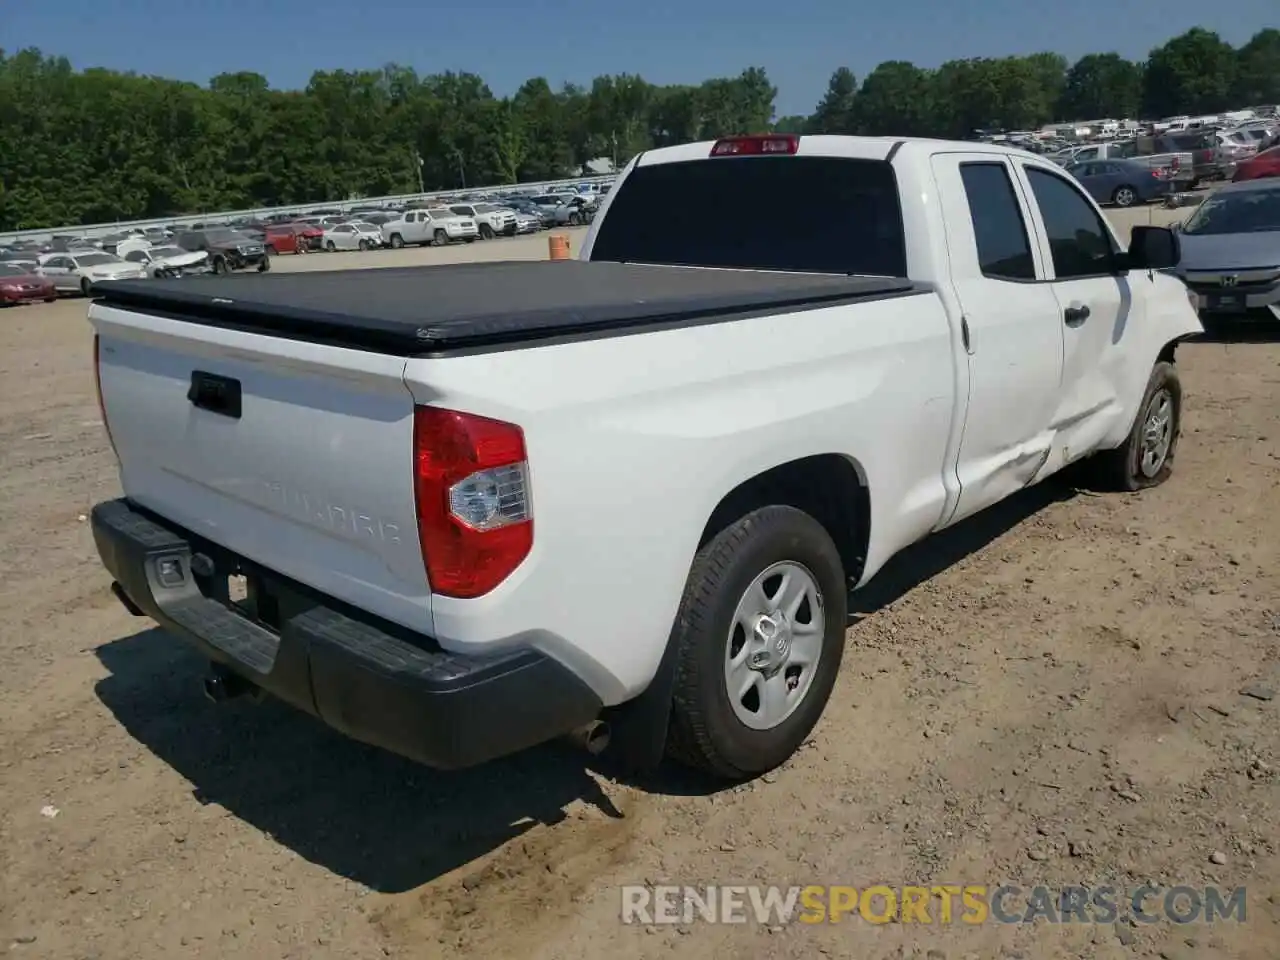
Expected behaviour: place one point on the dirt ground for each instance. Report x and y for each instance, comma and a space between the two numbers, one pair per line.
1050, 693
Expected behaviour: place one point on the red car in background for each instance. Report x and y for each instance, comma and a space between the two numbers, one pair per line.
1264, 164
292, 238
19, 286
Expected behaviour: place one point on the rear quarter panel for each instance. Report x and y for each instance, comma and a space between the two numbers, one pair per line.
633, 440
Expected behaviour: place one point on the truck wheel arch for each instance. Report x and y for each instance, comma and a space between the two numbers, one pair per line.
830, 487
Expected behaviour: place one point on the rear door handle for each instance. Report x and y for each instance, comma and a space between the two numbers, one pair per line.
220, 395
1076, 313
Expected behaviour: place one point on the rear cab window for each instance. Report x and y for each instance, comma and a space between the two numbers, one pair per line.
1004, 249
844, 216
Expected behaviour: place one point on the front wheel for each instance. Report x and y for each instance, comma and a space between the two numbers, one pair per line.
1145, 459
486, 232
1124, 196
86, 287
759, 637
574, 219
219, 266
440, 238
265, 265
364, 246
331, 247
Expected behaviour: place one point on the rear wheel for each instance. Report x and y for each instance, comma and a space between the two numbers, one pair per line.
397, 241
86, 287
759, 637
1125, 196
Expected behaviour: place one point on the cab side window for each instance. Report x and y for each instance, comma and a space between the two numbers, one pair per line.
1078, 239
1004, 252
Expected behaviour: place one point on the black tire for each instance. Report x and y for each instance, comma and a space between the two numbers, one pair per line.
705, 732
364, 246
486, 232
1124, 196
86, 287
439, 238
1123, 469
220, 266
574, 219
331, 246
397, 241
265, 265
159, 273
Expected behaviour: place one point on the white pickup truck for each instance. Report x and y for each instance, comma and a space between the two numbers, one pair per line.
459, 510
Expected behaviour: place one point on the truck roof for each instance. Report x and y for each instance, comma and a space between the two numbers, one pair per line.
430, 309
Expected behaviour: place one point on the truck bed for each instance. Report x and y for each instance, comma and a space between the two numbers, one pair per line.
428, 310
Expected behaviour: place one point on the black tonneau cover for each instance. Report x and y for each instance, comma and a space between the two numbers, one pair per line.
419, 310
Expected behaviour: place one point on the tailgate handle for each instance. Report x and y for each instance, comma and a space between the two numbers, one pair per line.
220, 395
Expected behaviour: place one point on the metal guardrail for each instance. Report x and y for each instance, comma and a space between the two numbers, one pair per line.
103, 229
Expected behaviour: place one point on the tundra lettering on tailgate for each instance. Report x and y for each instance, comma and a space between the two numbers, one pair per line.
345, 520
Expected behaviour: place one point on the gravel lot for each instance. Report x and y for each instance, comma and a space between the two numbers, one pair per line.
1050, 693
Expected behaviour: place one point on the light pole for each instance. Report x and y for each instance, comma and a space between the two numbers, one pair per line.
418, 157
462, 168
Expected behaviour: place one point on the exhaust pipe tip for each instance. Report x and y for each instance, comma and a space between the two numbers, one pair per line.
222, 685
592, 737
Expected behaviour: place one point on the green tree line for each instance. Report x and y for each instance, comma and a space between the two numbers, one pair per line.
98, 145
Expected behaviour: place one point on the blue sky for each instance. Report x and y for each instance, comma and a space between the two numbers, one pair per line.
799, 42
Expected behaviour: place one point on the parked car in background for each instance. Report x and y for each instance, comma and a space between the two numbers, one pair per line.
492, 220
78, 270
228, 250
169, 261
561, 209
1231, 251
436, 226
1260, 166
352, 236
20, 285
1122, 182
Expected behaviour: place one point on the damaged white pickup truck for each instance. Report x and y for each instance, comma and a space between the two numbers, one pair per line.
456, 511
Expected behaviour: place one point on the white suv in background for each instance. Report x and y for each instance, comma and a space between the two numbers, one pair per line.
493, 221
436, 226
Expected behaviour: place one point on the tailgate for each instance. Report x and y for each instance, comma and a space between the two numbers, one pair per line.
313, 479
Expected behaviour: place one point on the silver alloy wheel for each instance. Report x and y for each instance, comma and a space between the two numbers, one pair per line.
1157, 433
774, 643
1125, 196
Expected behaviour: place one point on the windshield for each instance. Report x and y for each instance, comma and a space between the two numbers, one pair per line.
9, 270
1252, 211
96, 259
486, 208
856, 229
224, 236
164, 253
362, 225
440, 213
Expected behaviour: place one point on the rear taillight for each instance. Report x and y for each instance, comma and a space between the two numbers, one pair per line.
471, 484
97, 387
756, 145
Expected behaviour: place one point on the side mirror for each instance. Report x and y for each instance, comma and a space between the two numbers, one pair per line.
1153, 248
